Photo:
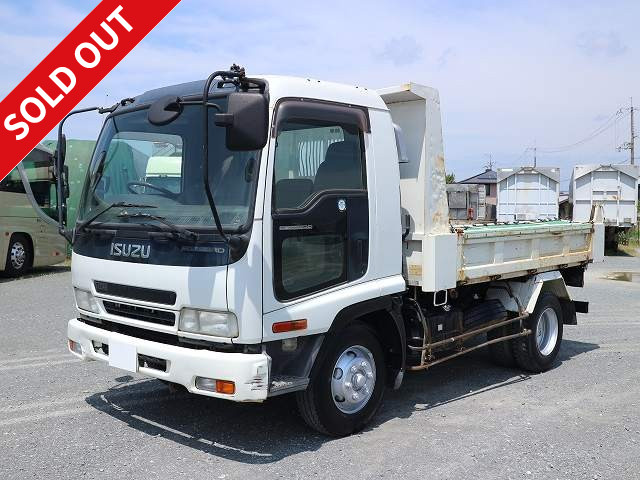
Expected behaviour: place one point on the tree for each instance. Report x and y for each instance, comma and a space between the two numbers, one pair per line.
450, 177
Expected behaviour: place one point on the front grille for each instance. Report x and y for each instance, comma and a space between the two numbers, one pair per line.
140, 313
151, 295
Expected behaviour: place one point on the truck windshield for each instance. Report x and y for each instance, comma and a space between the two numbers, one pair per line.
161, 166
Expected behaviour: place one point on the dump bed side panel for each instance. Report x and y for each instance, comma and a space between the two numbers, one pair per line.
500, 251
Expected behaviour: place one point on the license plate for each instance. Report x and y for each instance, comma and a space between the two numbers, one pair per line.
123, 355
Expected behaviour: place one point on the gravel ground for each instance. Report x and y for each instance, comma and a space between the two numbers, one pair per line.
62, 418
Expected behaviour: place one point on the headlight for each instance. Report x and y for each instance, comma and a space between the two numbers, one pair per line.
86, 301
219, 324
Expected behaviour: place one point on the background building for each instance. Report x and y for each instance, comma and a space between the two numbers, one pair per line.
487, 180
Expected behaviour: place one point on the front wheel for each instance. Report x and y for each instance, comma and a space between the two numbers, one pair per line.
347, 389
536, 352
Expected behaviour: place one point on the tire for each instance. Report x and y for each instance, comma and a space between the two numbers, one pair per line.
502, 352
19, 256
537, 352
320, 404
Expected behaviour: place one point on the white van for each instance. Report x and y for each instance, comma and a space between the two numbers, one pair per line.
27, 238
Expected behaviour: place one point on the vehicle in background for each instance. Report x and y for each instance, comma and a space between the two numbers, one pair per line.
29, 235
466, 202
308, 249
615, 188
164, 172
528, 194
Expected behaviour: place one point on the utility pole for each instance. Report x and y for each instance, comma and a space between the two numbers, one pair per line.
535, 156
631, 144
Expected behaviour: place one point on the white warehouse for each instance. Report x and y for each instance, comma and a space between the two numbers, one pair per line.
527, 193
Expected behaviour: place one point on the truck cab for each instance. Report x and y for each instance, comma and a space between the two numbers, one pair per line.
246, 238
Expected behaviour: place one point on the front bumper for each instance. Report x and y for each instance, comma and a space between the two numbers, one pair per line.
249, 372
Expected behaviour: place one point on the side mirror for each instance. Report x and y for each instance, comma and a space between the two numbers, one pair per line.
246, 121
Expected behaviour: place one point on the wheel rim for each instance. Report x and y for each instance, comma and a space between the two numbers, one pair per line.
18, 255
547, 331
353, 379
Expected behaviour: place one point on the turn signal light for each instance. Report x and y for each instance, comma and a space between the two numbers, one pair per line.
219, 386
75, 347
225, 386
289, 326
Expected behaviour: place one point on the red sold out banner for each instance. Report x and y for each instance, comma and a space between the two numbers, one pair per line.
71, 71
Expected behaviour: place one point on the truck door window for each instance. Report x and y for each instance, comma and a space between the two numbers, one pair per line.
315, 158
320, 206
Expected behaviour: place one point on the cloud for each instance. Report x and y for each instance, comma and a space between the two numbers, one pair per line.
445, 56
403, 50
607, 44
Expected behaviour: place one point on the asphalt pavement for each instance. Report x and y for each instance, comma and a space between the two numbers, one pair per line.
62, 418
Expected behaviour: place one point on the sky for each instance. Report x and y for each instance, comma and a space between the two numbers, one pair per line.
511, 74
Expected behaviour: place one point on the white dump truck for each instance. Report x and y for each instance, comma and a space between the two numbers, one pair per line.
528, 193
307, 250
612, 187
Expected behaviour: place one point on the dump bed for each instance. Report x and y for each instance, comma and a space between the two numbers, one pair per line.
439, 255
486, 252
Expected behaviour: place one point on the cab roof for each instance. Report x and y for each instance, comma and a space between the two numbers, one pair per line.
278, 87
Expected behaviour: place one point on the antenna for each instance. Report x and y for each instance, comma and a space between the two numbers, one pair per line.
489, 165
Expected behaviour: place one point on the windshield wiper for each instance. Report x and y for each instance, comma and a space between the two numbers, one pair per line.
180, 231
90, 220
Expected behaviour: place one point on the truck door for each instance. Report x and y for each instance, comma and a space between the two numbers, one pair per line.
319, 235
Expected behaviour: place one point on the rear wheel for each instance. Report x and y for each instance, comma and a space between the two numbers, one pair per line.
537, 352
19, 255
347, 389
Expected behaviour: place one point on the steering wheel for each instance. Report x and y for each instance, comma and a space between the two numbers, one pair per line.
162, 190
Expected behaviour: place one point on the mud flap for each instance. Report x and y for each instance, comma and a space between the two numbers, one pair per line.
568, 312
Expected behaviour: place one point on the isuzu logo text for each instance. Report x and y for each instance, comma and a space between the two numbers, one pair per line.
130, 250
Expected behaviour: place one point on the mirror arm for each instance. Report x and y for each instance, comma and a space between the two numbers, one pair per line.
205, 146
236, 75
60, 154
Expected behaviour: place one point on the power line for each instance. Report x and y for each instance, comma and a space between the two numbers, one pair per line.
611, 122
